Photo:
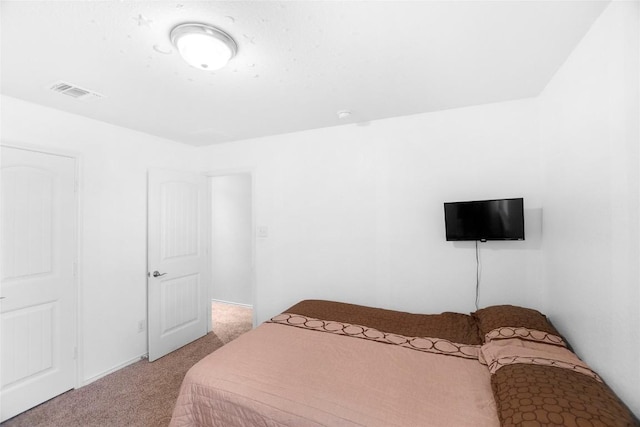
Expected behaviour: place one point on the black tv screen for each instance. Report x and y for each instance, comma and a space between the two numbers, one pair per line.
501, 219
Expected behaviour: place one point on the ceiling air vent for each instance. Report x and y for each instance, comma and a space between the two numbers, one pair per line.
74, 91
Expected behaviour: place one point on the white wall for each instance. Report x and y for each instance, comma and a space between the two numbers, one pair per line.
590, 137
232, 238
114, 164
355, 213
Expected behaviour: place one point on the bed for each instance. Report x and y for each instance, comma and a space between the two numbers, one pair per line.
324, 363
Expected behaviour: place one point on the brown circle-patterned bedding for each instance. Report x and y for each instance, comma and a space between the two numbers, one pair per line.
534, 395
501, 317
500, 366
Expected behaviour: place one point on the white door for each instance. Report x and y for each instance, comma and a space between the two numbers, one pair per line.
38, 309
177, 286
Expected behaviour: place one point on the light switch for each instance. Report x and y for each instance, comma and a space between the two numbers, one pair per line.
263, 231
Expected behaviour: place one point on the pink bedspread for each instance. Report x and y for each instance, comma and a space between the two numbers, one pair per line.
279, 375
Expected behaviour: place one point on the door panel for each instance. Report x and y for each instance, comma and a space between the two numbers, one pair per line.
27, 227
179, 219
27, 331
177, 297
37, 314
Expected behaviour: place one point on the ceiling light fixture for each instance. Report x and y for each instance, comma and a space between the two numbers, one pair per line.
203, 46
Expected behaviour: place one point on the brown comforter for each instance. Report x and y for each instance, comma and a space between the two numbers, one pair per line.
455, 327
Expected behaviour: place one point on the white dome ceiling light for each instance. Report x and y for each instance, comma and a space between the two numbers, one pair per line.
203, 46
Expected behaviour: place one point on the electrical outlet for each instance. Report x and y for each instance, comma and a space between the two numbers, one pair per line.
141, 325
263, 231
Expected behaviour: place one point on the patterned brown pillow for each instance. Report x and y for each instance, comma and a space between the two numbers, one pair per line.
509, 321
535, 395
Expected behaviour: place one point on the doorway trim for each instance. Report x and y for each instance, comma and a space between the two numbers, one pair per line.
77, 244
227, 172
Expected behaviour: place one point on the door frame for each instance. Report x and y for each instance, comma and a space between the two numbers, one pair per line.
227, 172
77, 244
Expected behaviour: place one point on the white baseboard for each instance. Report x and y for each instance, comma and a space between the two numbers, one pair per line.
144, 355
114, 369
232, 303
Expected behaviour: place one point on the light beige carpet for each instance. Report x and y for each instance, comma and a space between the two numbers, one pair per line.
142, 394
230, 320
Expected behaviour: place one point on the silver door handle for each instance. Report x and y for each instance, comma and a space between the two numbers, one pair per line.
158, 274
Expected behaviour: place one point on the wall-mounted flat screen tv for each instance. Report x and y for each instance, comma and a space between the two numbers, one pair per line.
500, 219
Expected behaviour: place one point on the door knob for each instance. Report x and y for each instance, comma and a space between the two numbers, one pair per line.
158, 274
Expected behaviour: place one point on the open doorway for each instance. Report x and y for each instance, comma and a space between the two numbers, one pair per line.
232, 250
229, 321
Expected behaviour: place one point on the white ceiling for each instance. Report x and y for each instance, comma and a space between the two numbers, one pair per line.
299, 62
